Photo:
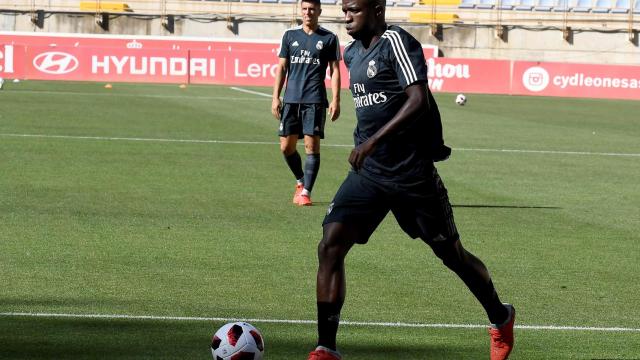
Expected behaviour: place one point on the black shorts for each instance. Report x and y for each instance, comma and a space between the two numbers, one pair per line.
422, 209
302, 119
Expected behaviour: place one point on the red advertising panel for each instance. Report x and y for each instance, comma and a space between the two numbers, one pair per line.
12, 58
91, 57
469, 75
576, 80
107, 64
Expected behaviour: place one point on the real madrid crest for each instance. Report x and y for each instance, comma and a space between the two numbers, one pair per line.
319, 45
372, 70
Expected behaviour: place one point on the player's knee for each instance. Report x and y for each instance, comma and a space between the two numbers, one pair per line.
287, 149
451, 253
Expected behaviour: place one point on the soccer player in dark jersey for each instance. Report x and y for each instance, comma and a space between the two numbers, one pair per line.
398, 137
305, 53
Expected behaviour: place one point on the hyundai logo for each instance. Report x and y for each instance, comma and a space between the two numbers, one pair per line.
55, 62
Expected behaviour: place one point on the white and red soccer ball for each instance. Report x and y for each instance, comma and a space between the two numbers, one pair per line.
237, 341
461, 99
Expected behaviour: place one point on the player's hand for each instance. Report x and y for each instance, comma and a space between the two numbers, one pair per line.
360, 153
334, 110
276, 105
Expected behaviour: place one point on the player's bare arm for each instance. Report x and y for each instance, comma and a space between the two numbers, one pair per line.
417, 101
281, 71
334, 106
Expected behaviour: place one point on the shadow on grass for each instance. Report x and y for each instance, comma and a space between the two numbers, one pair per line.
480, 206
58, 338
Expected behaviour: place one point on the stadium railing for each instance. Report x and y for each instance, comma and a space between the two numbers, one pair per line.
609, 14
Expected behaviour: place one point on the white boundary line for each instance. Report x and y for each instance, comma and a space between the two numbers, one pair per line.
308, 322
250, 91
158, 96
195, 141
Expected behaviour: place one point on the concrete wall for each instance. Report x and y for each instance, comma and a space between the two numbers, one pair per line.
465, 41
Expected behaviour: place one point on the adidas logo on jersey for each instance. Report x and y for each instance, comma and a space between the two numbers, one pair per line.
295, 43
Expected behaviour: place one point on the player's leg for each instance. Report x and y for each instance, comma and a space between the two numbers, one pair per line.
311, 164
313, 120
289, 132
351, 218
476, 276
429, 216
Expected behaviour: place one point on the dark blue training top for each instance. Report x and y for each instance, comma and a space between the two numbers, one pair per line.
308, 57
378, 78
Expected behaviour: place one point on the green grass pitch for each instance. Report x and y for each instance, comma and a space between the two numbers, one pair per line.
151, 200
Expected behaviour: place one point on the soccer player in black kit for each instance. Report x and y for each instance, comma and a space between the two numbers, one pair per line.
398, 137
305, 53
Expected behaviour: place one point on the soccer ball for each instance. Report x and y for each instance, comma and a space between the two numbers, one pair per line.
237, 341
461, 99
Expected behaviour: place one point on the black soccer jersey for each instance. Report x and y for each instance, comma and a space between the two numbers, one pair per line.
378, 77
308, 57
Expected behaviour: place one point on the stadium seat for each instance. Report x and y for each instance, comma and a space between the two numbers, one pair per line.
602, 6
328, 2
391, 2
405, 3
104, 6
288, 1
622, 7
467, 4
270, 1
251, 1
544, 5
562, 6
428, 17
508, 4
486, 4
636, 8
525, 5
583, 6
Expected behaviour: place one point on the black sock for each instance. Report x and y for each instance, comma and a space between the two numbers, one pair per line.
311, 167
497, 312
328, 321
295, 164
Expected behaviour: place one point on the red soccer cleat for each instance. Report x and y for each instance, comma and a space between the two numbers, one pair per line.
299, 188
502, 338
304, 200
320, 354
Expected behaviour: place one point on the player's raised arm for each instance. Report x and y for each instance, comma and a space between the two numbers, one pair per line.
416, 102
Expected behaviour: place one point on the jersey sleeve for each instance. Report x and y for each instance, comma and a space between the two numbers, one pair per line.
406, 57
284, 47
334, 49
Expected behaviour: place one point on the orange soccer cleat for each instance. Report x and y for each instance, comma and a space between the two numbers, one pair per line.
321, 354
304, 200
502, 337
299, 188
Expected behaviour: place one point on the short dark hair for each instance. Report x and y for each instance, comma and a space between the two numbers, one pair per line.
314, 2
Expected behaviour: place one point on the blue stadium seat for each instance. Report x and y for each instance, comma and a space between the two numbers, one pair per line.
583, 6
636, 7
525, 5
405, 3
544, 5
621, 7
467, 4
390, 2
562, 6
328, 2
602, 6
486, 4
288, 1
270, 1
508, 4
